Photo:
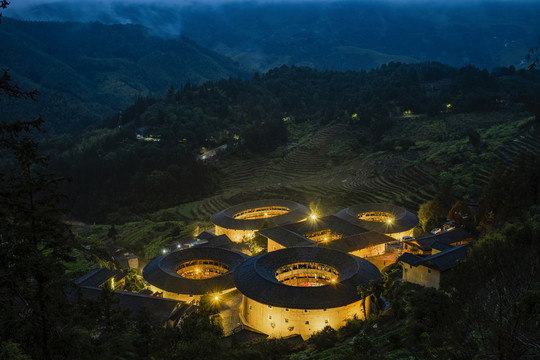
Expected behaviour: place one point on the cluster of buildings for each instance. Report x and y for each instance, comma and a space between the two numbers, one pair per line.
309, 275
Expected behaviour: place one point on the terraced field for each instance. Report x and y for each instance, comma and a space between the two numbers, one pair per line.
306, 173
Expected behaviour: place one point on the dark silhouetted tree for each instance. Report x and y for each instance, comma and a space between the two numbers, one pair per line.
34, 242
462, 215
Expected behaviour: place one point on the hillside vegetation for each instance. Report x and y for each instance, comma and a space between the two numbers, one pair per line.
88, 71
392, 134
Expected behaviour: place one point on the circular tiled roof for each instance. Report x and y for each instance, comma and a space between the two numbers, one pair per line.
161, 271
256, 279
403, 219
225, 218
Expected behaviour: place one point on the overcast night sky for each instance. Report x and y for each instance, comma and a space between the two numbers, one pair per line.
25, 3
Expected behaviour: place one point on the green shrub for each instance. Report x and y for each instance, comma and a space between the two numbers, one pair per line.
324, 339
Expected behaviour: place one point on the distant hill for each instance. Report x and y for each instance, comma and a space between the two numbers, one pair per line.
363, 35
88, 71
333, 35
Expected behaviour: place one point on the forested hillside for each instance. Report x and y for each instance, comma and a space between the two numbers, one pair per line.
427, 117
88, 71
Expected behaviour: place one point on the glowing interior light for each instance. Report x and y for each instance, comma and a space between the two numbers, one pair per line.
389, 221
313, 216
216, 298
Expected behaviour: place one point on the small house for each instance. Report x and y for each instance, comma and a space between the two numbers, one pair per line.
428, 271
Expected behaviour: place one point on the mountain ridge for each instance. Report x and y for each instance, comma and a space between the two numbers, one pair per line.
264, 35
87, 72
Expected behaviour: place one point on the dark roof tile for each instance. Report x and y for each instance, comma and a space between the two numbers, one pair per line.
359, 241
441, 261
161, 271
99, 277
225, 218
286, 237
446, 237
256, 278
403, 219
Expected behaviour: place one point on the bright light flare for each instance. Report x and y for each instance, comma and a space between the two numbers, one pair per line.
313, 217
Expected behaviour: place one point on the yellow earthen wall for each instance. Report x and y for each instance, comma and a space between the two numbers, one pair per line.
185, 297
273, 246
281, 322
421, 275
235, 235
370, 251
400, 235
